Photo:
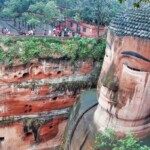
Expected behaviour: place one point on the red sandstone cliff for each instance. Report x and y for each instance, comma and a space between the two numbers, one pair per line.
35, 100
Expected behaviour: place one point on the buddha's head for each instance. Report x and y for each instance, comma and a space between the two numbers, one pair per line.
124, 83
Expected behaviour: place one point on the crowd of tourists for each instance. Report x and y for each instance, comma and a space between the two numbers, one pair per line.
27, 32
55, 31
62, 32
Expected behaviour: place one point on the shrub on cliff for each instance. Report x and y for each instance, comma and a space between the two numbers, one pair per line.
85, 48
27, 49
109, 141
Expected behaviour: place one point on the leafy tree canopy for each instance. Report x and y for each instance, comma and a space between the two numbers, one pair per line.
96, 12
30, 11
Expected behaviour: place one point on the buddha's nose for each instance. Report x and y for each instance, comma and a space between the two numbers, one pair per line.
109, 80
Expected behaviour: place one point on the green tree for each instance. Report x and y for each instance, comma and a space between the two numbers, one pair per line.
14, 9
36, 13
1, 4
29, 12
51, 11
33, 22
43, 11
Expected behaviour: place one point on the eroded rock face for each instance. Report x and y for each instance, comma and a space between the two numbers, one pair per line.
124, 83
35, 100
49, 135
81, 130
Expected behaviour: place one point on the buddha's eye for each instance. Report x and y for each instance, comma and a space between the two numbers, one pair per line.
134, 69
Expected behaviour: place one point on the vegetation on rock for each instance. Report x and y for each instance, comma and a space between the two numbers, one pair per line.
109, 141
27, 49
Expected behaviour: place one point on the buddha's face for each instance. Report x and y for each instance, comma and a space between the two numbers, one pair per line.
124, 84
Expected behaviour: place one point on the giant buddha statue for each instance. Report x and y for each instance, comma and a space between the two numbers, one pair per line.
124, 84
